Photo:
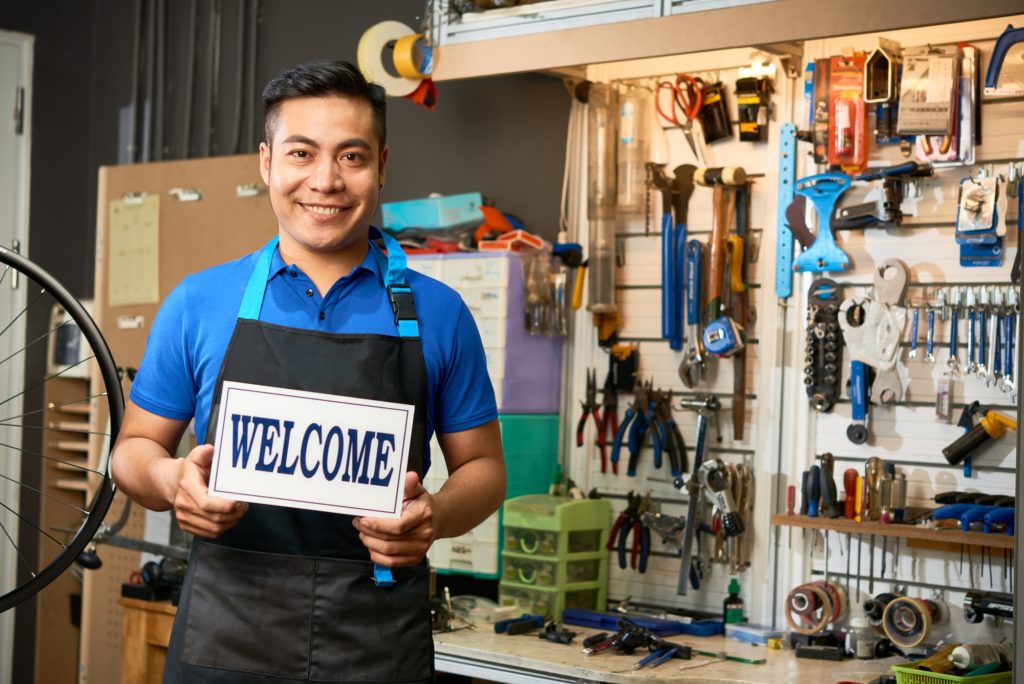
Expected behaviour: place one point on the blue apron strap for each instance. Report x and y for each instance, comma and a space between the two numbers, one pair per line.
398, 288
252, 300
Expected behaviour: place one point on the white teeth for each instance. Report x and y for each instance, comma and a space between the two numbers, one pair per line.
326, 211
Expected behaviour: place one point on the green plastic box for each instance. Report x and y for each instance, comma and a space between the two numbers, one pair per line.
530, 443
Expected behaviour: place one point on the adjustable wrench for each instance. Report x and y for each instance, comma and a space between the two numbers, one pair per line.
953, 362
971, 366
693, 367
913, 333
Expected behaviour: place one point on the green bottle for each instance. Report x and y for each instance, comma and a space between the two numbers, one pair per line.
732, 606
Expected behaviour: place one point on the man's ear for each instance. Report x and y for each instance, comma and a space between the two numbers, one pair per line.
265, 163
382, 166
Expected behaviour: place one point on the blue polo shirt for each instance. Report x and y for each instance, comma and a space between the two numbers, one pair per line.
190, 335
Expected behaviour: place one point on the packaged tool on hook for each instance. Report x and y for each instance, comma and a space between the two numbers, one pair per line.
847, 140
753, 100
714, 113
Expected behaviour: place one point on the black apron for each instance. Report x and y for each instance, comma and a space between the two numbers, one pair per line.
289, 594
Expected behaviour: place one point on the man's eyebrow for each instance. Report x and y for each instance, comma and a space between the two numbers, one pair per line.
301, 139
354, 142
344, 144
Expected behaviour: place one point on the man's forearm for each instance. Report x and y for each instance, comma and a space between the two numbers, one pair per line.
146, 472
469, 495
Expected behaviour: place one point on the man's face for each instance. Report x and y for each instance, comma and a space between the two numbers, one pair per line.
324, 173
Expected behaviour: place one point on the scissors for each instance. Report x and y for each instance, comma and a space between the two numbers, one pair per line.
687, 95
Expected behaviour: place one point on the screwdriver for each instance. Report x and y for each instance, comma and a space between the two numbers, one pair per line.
858, 509
850, 487
790, 505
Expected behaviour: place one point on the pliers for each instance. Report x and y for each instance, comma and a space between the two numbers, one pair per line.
590, 409
609, 423
632, 423
673, 438
630, 520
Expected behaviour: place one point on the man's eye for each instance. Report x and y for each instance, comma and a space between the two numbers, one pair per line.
352, 157
299, 154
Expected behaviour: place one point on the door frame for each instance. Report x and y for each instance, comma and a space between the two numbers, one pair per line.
24, 43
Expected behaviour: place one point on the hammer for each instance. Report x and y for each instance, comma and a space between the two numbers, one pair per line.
721, 180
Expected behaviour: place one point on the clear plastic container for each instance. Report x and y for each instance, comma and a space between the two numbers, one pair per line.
860, 638
601, 196
632, 151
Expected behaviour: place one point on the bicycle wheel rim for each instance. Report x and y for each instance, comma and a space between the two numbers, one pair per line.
99, 502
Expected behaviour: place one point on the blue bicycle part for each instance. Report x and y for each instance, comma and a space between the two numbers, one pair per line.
1006, 40
783, 234
823, 190
857, 431
694, 259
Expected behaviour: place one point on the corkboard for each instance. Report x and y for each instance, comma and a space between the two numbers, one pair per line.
222, 225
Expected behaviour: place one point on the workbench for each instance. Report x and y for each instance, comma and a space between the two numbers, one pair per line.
481, 653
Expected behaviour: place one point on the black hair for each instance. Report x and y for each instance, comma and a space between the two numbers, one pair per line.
321, 79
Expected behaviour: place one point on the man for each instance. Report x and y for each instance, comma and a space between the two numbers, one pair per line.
276, 593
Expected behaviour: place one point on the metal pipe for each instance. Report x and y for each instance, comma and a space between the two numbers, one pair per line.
213, 84
161, 59
133, 127
147, 128
236, 120
190, 78
255, 122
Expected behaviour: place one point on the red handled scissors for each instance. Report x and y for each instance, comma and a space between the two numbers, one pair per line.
685, 95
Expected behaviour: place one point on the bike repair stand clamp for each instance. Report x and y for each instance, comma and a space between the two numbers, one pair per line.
823, 190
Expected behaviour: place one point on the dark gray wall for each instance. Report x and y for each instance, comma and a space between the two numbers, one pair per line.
503, 136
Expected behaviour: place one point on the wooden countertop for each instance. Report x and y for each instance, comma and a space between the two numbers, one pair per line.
525, 654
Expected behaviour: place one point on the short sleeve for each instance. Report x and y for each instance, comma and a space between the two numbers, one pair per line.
164, 383
465, 395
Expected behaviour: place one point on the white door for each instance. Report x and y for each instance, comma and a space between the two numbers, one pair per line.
15, 135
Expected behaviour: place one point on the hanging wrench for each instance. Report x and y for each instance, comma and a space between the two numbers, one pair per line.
953, 363
929, 342
1008, 335
693, 366
824, 255
994, 357
970, 367
913, 333
983, 366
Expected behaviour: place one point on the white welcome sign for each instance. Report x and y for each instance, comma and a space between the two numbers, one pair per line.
311, 450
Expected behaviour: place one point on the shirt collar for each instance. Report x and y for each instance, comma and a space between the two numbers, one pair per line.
369, 263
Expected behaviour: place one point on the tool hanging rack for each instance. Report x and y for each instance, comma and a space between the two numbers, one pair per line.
783, 435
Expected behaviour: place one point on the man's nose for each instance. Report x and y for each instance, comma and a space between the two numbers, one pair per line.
327, 176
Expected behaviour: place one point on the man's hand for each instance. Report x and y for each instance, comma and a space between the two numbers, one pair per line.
404, 541
198, 512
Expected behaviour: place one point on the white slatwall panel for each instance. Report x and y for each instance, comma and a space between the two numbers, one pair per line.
782, 433
908, 434
639, 298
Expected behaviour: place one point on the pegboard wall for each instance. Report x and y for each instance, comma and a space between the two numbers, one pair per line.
783, 434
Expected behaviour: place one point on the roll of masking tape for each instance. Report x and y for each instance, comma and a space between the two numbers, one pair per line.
414, 56
370, 55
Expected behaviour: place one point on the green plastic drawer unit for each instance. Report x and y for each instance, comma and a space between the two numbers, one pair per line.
530, 443
551, 602
541, 572
557, 527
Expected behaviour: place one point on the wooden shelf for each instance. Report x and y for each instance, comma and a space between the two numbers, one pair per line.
71, 445
997, 540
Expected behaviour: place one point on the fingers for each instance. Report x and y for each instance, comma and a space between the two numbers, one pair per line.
403, 541
198, 512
